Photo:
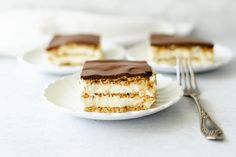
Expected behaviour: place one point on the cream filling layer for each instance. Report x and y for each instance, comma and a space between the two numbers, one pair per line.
75, 49
73, 59
74, 54
133, 87
116, 101
198, 55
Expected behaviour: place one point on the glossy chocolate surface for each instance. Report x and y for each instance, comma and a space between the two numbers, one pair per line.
167, 40
59, 40
99, 69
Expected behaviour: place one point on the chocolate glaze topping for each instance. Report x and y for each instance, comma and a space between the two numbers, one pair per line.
167, 40
59, 40
110, 69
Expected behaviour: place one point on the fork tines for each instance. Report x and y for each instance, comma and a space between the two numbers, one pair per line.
185, 74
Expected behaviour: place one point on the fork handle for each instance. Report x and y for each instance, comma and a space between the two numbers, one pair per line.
208, 127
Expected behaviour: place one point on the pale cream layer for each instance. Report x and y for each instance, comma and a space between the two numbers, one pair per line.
199, 56
74, 59
74, 54
75, 49
140, 87
116, 101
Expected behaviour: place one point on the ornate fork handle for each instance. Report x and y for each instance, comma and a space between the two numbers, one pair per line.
208, 127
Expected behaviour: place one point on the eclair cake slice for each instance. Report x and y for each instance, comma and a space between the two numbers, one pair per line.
117, 86
163, 49
72, 50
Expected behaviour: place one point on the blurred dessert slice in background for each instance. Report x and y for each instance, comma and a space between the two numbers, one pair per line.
72, 50
165, 48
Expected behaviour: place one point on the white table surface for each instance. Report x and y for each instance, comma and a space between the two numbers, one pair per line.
29, 127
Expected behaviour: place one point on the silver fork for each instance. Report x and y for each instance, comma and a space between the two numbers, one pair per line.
187, 79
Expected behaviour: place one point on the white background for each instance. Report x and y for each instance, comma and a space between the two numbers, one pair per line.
28, 127
214, 17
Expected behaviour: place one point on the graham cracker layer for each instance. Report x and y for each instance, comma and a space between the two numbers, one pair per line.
121, 81
121, 95
173, 47
68, 64
114, 109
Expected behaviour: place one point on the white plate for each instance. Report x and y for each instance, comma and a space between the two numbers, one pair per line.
223, 55
36, 58
65, 93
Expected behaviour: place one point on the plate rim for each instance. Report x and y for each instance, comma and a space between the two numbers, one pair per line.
171, 69
107, 116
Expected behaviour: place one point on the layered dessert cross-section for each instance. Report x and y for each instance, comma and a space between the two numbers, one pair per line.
70, 50
165, 48
117, 86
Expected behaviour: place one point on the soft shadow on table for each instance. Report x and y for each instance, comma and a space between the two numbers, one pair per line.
175, 117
